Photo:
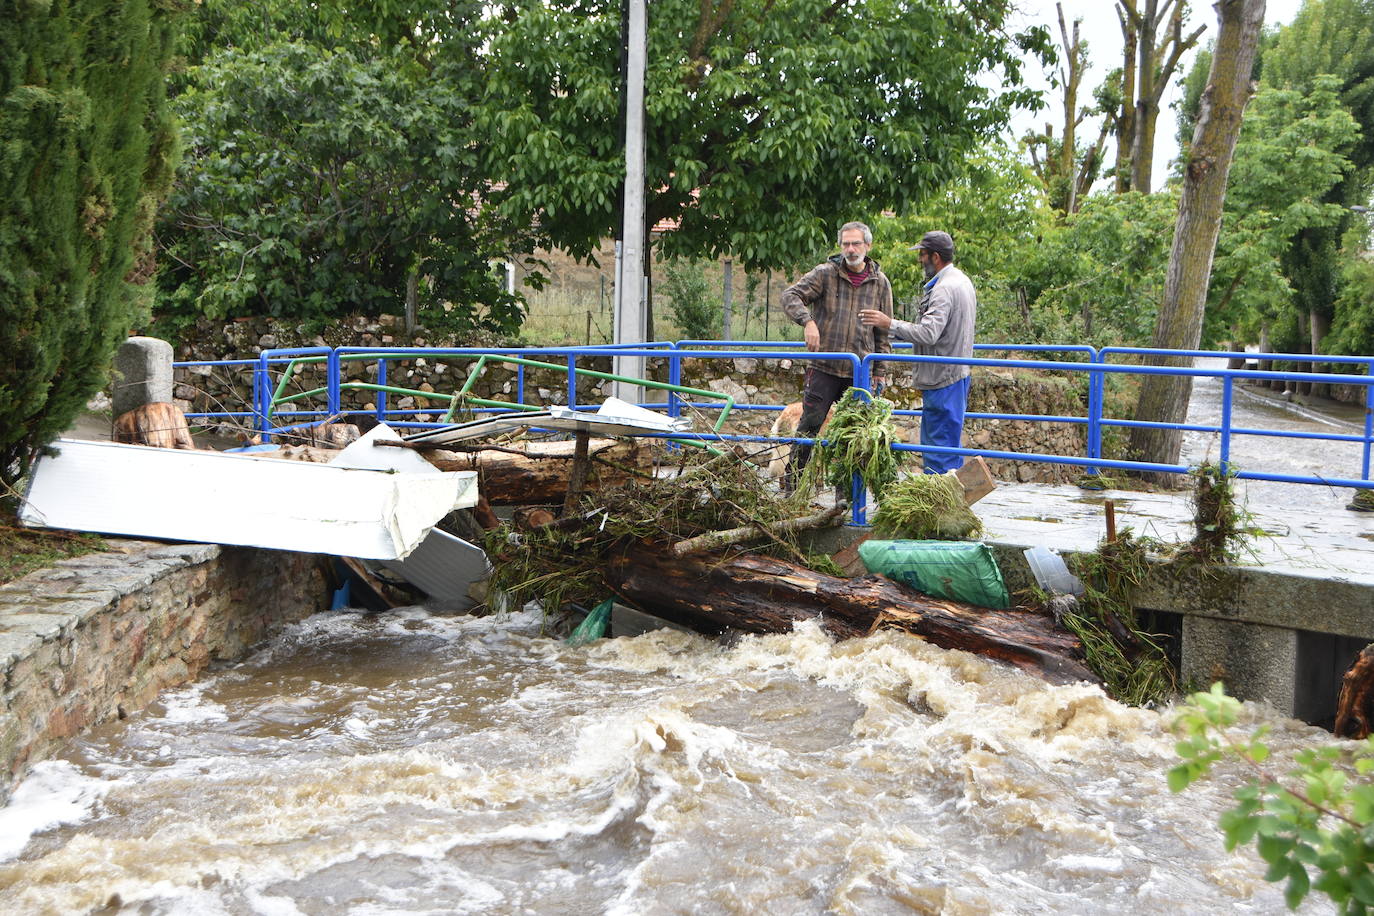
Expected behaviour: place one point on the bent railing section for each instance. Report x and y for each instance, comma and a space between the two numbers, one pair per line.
274, 409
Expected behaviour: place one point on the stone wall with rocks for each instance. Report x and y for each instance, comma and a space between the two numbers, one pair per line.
97, 637
752, 382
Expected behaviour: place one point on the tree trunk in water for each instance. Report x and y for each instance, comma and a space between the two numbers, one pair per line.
540, 475
763, 595
1164, 399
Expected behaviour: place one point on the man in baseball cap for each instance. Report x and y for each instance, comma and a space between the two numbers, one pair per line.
938, 242
944, 327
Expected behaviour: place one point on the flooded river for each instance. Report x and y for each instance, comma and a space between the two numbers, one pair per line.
405, 763
408, 763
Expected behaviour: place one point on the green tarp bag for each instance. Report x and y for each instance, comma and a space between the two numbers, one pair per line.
959, 570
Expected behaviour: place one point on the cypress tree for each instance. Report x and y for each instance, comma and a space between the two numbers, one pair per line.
87, 150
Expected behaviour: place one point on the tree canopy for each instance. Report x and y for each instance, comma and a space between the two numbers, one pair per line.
768, 122
322, 180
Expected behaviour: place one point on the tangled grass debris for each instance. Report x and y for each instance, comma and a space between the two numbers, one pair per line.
561, 563
858, 439
926, 506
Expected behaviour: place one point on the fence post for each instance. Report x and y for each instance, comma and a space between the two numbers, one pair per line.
1097, 395
262, 397
1368, 419
728, 304
381, 395
1226, 392
334, 391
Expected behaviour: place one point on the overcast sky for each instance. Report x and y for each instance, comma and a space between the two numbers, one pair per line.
1103, 35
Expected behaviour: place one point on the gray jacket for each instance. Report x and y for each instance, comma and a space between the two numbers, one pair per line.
949, 307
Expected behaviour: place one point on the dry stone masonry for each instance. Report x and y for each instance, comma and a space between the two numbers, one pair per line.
97, 637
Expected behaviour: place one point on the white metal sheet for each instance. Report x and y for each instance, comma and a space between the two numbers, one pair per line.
479, 429
613, 418
211, 497
443, 567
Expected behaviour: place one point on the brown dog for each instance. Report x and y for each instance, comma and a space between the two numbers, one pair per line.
786, 425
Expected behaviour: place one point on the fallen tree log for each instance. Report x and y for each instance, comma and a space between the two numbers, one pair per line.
540, 473
763, 595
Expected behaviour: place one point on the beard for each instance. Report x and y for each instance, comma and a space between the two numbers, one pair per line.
854, 263
929, 268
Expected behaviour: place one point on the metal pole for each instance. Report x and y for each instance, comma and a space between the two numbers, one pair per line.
629, 298
728, 300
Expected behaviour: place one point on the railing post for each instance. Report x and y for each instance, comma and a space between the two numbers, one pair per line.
335, 404
858, 488
674, 378
1368, 419
572, 381
381, 395
262, 394
1228, 382
520, 379
1097, 396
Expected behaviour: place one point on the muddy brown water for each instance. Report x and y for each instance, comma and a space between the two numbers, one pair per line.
406, 763
409, 763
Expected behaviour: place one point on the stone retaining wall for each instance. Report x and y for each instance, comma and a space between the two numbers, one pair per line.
97, 637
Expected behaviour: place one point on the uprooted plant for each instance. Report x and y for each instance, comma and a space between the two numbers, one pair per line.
858, 440
925, 507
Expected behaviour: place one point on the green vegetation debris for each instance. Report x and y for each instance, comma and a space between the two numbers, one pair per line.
22, 550
859, 440
1131, 662
926, 507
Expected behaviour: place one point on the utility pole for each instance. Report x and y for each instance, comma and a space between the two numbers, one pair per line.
629, 281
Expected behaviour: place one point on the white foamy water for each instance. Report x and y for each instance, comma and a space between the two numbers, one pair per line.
404, 763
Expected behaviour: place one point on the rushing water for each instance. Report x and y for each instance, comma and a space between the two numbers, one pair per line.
405, 763
408, 763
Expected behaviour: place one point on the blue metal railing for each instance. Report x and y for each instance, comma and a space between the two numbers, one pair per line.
269, 403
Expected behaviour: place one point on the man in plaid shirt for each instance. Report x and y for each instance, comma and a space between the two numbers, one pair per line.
826, 303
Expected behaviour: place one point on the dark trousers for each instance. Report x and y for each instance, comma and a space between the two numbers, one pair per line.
822, 391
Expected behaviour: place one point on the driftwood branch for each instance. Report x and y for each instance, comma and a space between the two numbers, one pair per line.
714, 540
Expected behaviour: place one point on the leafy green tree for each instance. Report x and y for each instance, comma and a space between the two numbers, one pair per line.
1317, 822
768, 122
696, 312
320, 181
998, 213
1291, 153
86, 153
1094, 276
1098, 278
1334, 37
1354, 325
